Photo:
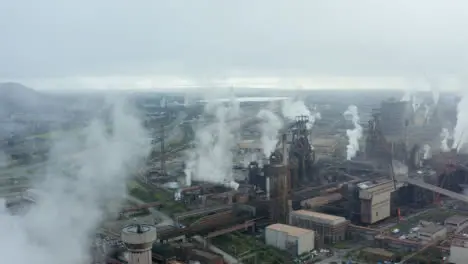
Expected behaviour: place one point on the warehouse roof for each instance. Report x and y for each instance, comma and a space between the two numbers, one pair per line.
431, 229
291, 230
456, 220
319, 215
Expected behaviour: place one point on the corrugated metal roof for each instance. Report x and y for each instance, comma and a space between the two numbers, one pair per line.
291, 230
319, 215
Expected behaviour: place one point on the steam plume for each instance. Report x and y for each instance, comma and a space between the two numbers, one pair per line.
293, 108
354, 135
212, 158
269, 127
427, 152
76, 193
445, 135
461, 128
427, 111
435, 92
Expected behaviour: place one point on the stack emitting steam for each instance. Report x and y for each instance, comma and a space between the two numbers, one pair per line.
410, 96
445, 135
460, 134
212, 159
354, 135
269, 127
77, 192
294, 108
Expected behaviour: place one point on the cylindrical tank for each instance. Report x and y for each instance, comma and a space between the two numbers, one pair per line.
139, 238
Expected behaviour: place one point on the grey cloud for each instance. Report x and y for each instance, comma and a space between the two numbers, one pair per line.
52, 38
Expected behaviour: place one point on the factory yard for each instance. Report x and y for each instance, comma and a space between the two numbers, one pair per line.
308, 200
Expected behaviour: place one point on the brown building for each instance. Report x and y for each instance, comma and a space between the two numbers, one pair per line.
375, 200
328, 229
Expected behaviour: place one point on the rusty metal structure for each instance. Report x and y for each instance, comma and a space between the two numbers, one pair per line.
399, 129
301, 154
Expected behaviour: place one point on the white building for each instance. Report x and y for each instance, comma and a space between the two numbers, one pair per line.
290, 238
459, 250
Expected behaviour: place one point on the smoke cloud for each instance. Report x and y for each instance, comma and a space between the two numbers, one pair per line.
212, 158
269, 127
354, 135
435, 91
460, 131
77, 192
293, 108
427, 152
445, 135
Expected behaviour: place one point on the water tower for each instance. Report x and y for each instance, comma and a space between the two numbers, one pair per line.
138, 239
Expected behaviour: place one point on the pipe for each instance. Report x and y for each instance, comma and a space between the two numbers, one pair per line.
268, 187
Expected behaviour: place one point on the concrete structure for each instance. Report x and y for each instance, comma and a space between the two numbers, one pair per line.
455, 221
138, 239
431, 233
328, 228
292, 239
375, 200
459, 250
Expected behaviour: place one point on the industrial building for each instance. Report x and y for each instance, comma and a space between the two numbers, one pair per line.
432, 232
459, 250
375, 200
289, 238
456, 221
328, 229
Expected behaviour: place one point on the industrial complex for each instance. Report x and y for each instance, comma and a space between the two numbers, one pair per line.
400, 198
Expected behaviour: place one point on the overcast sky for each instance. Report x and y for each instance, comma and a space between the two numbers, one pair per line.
308, 43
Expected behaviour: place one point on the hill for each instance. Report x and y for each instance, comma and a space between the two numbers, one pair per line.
16, 98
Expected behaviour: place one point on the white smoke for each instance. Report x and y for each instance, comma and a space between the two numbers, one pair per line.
445, 135
460, 135
427, 152
427, 111
400, 170
407, 96
77, 193
354, 135
410, 96
269, 127
294, 108
212, 158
